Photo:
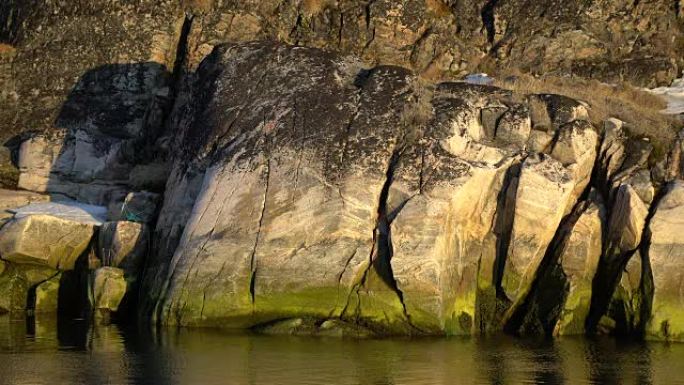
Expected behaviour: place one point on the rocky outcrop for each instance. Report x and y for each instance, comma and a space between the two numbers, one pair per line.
393, 215
158, 42
408, 209
611, 40
307, 191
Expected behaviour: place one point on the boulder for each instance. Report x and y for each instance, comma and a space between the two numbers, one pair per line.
36, 158
109, 288
45, 240
575, 148
666, 255
123, 244
627, 221
544, 192
324, 228
514, 126
540, 141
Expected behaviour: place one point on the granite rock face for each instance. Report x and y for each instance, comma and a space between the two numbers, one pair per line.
665, 254
309, 187
339, 186
365, 195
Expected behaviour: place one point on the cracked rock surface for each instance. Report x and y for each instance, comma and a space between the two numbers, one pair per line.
311, 187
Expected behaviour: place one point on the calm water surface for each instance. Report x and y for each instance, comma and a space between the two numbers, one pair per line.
73, 353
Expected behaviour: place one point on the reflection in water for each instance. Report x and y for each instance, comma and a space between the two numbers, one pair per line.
50, 352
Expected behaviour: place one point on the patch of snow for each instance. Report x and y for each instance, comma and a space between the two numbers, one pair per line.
69, 210
480, 78
674, 95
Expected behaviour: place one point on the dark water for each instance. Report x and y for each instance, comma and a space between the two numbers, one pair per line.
73, 353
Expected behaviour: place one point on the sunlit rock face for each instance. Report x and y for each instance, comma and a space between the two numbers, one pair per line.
312, 186
666, 253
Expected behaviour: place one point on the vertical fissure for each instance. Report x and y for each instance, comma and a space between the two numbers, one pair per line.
253, 257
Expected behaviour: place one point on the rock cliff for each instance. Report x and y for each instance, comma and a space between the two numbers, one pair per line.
343, 185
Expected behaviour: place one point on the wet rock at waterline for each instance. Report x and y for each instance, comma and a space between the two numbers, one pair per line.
109, 288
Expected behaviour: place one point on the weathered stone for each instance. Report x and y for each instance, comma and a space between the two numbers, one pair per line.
539, 141
123, 244
641, 183
575, 148
627, 221
579, 262
109, 288
289, 234
319, 229
45, 240
623, 237
10, 199
47, 296
666, 254
514, 126
612, 150
544, 192
93, 99
36, 157
563, 110
440, 239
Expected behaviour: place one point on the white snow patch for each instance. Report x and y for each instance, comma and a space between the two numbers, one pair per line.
674, 95
69, 210
480, 78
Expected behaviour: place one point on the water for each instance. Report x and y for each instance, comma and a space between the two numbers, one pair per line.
73, 353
